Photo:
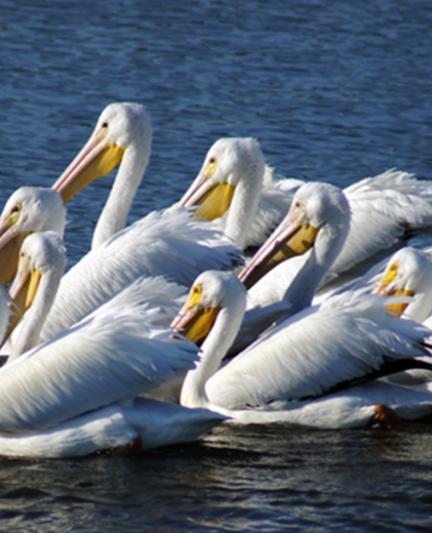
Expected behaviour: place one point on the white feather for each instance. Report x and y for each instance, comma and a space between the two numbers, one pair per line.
315, 350
167, 243
142, 425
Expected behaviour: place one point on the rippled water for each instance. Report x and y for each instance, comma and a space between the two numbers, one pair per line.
334, 91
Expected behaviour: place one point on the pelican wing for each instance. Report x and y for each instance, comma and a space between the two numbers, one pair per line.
168, 243
257, 320
383, 208
109, 357
312, 352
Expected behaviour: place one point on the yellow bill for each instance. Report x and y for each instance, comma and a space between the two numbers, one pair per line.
193, 321
279, 248
398, 309
96, 159
9, 255
215, 202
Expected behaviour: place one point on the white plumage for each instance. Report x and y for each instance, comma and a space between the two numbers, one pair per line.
355, 407
140, 425
165, 243
383, 207
71, 390
301, 359
314, 351
318, 221
110, 356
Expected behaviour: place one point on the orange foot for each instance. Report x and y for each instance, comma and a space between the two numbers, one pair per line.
384, 416
131, 448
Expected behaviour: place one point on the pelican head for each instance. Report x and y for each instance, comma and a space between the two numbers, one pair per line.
211, 292
229, 163
28, 209
319, 213
123, 132
409, 273
214, 310
42, 261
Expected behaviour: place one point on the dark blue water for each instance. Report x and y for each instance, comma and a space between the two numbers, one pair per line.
334, 91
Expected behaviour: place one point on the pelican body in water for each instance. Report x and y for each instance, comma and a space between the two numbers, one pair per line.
304, 365
319, 220
235, 183
77, 394
281, 284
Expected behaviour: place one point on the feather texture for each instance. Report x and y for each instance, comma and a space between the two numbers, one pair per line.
167, 243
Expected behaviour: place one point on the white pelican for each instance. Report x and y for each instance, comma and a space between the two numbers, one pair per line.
305, 357
122, 136
409, 273
41, 266
67, 397
231, 184
290, 286
383, 207
316, 226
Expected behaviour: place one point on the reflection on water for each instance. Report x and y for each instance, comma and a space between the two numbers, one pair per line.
334, 91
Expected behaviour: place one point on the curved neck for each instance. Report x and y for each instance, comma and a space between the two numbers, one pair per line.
129, 176
243, 209
27, 335
328, 245
421, 307
213, 351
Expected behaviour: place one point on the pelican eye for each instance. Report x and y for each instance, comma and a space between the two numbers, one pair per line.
212, 160
297, 204
14, 214
105, 125
194, 296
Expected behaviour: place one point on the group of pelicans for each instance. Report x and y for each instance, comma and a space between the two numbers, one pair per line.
117, 355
